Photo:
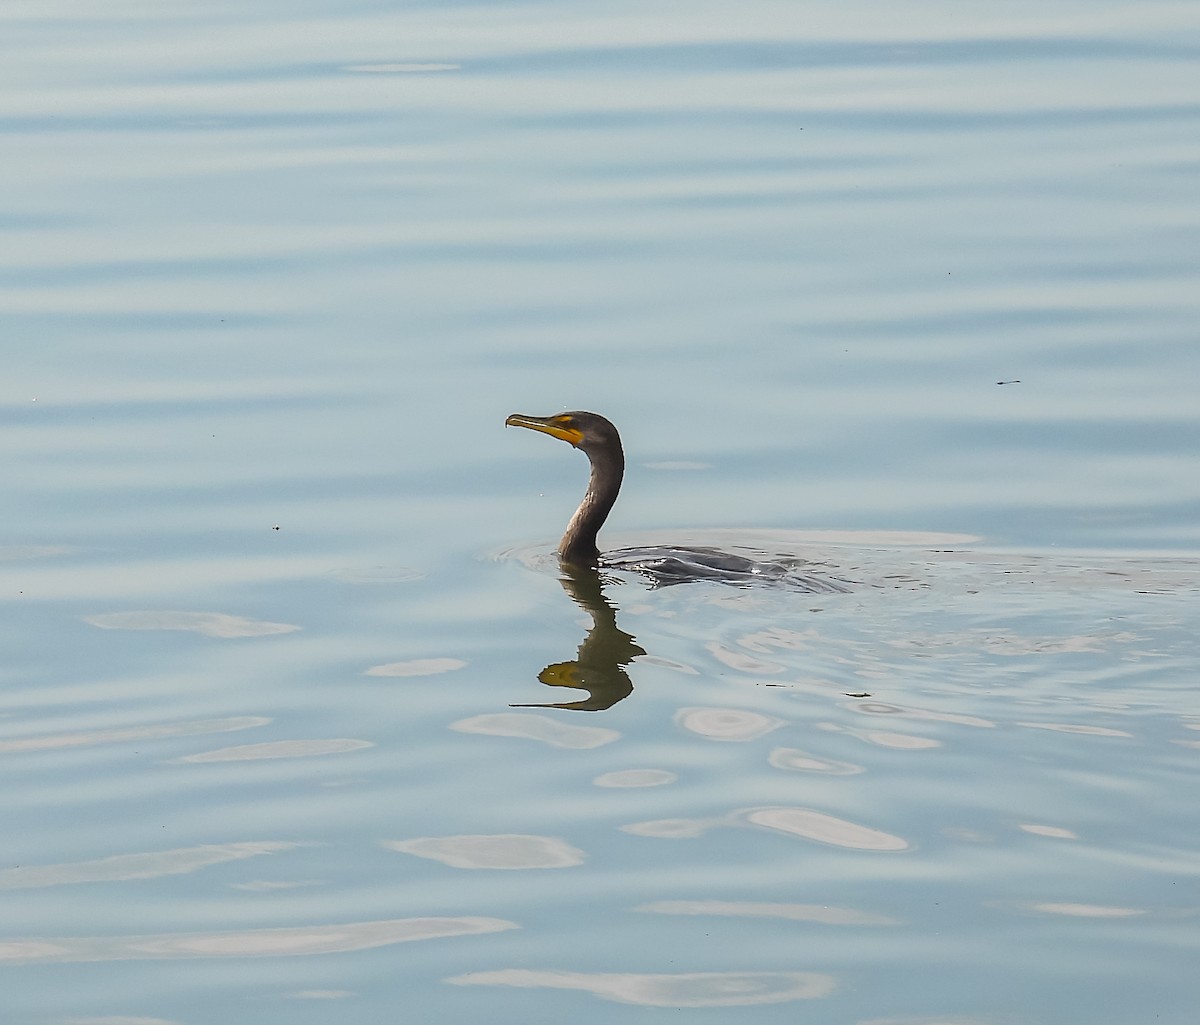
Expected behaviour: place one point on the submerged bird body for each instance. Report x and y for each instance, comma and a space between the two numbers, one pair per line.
598, 439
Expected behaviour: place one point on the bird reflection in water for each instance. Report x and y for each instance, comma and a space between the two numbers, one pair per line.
599, 666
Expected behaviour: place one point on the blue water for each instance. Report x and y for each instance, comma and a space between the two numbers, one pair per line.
910, 295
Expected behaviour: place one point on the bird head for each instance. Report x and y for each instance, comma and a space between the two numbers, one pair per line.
587, 431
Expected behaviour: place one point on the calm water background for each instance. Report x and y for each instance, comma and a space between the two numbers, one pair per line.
271, 279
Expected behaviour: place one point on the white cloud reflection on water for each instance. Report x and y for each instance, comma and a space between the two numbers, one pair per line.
377, 575
623, 778
209, 624
1054, 832
802, 822
795, 760
279, 749
743, 663
726, 723
1073, 910
502, 851
883, 738
1062, 727
120, 1019
899, 741
536, 727
939, 1020
286, 942
149, 865
19, 553
686, 989
827, 829
820, 913
322, 994
399, 69
900, 712
270, 885
133, 734
416, 667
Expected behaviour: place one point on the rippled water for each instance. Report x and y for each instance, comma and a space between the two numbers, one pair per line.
906, 297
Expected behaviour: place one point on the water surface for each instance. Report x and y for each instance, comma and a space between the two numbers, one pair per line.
910, 295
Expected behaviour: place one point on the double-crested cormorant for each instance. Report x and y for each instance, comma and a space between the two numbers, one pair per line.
599, 440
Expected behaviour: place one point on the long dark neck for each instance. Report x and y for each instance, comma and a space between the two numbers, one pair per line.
578, 545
